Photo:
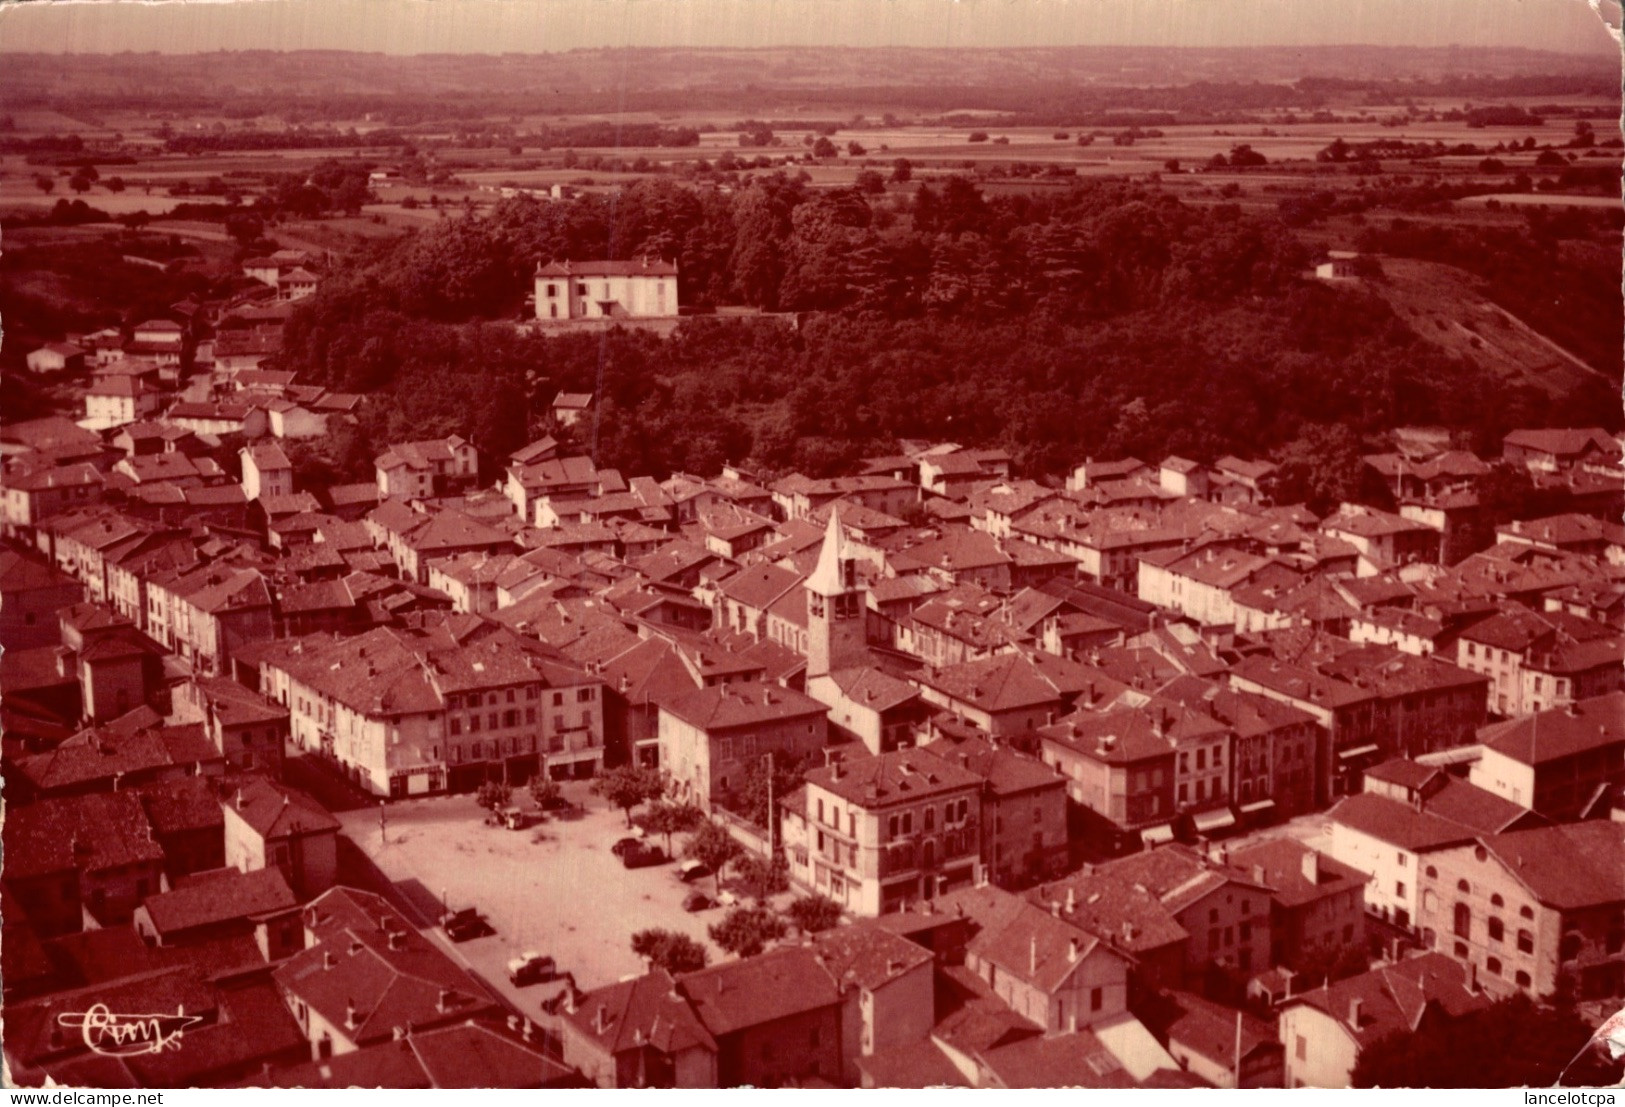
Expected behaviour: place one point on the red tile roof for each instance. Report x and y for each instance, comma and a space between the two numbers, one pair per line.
1564, 732
758, 990
207, 899
745, 704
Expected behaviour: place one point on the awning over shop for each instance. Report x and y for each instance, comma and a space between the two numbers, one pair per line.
1157, 835
1209, 821
1257, 806
1357, 751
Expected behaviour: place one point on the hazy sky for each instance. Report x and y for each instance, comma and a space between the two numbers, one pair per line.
523, 26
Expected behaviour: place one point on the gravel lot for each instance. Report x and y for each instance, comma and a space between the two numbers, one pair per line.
554, 888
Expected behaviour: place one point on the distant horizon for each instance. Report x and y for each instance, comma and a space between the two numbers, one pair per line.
417, 28
724, 48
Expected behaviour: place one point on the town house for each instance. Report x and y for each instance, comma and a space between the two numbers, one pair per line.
1326, 1029
1226, 912
1319, 904
1561, 763
366, 975
1024, 817
423, 470
641, 288
272, 826
1116, 768
884, 832
712, 738
404, 713
1531, 908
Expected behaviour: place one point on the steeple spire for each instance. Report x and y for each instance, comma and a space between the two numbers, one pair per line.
831, 577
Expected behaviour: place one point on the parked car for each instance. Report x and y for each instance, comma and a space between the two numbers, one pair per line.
642, 856
462, 925
691, 870
620, 847
697, 901
515, 818
531, 968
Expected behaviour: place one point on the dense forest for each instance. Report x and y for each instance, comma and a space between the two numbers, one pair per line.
1108, 320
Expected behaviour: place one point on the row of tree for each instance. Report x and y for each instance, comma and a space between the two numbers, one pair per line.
1106, 320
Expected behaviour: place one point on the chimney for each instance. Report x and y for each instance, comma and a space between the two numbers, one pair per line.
350, 1020
396, 1034
598, 1020
1032, 954
1311, 867
524, 1030
835, 769
513, 1023
1354, 1013
328, 960
443, 1003
239, 800
397, 940
1055, 908
1072, 951
1128, 932
1071, 900
570, 999
355, 946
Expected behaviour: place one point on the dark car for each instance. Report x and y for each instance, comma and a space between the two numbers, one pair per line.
697, 901
642, 856
462, 925
691, 870
620, 847
531, 968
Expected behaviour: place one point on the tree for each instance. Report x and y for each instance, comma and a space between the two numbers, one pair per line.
871, 182
902, 170
713, 847
814, 913
245, 229
823, 148
493, 794
745, 931
855, 149
1333, 963
628, 786
44, 184
544, 790
762, 876
977, 136
1510, 1044
1321, 468
752, 798
667, 818
115, 184
669, 950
